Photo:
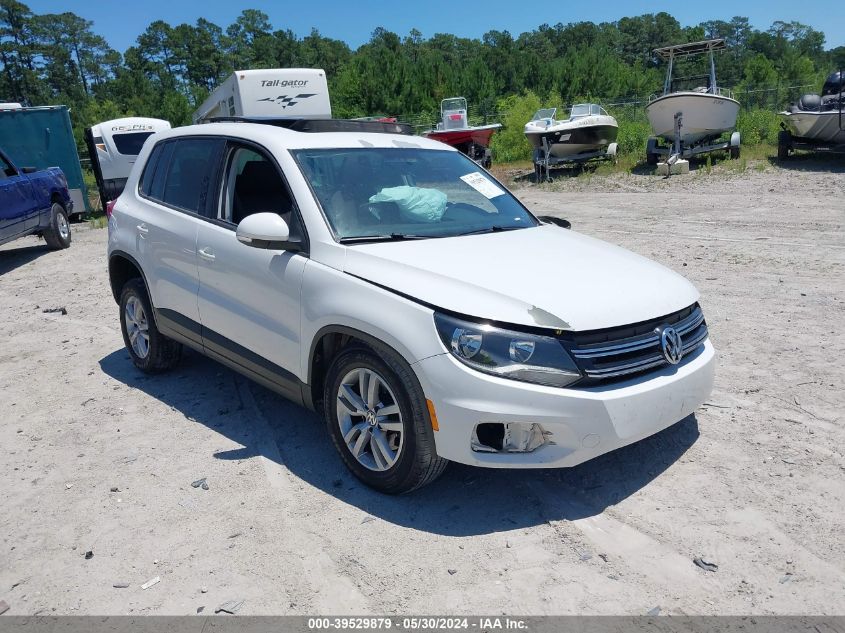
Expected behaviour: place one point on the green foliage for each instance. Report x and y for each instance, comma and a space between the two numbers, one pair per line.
509, 144
758, 126
91, 185
634, 130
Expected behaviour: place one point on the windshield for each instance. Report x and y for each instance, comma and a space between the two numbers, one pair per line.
544, 113
458, 103
582, 109
407, 193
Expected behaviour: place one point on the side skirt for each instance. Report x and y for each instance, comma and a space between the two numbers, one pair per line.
236, 357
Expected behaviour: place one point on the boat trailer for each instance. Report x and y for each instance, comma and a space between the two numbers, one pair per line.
544, 161
788, 143
480, 154
677, 150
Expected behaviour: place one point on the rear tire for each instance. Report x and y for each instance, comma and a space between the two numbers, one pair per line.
150, 350
784, 141
411, 459
57, 234
735, 152
650, 155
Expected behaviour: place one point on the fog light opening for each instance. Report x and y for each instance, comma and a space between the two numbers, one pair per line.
508, 437
488, 437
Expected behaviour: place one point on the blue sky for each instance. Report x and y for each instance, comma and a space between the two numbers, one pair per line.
121, 22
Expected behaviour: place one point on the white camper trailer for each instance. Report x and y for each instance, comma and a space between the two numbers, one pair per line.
113, 147
291, 93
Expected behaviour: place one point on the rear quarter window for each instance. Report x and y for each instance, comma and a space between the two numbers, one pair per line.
155, 171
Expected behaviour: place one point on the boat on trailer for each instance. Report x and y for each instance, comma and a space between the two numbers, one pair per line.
589, 133
690, 118
815, 122
454, 129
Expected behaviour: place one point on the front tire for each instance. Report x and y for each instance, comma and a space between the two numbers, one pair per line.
377, 417
151, 351
57, 234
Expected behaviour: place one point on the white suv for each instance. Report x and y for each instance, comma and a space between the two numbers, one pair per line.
392, 284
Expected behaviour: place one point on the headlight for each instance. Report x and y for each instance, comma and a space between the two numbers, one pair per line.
507, 353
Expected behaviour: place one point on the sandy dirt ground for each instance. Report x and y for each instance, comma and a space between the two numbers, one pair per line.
99, 458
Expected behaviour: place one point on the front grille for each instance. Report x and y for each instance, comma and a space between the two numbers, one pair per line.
609, 354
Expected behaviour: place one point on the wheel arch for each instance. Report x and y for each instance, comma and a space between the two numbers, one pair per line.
122, 268
328, 343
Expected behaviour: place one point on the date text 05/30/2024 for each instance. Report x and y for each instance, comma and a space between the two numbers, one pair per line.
423, 623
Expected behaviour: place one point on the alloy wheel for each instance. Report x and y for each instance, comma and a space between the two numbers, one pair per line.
137, 327
370, 419
64, 228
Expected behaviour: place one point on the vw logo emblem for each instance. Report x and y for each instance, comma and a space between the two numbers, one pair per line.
670, 344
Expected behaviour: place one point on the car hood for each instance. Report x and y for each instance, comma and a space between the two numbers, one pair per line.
542, 277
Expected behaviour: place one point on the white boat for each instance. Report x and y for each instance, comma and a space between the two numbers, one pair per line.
705, 111
587, 130
816, 121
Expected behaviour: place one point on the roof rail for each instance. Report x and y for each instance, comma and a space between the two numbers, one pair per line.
321, 125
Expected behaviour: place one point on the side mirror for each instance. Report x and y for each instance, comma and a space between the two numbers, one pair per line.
29, 170
266, 230
550, 219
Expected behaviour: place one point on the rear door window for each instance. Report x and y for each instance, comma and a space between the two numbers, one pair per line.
184, 171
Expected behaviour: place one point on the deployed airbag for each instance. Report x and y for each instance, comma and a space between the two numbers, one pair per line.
415, 203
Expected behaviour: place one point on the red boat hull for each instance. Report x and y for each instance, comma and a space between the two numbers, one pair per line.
457, 138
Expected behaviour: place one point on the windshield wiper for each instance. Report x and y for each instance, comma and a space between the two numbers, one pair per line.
492, 229
392, 237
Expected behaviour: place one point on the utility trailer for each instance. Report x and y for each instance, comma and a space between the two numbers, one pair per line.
42, 137
291, 93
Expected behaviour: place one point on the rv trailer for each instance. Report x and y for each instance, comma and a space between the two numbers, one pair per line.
277, 93
113, 147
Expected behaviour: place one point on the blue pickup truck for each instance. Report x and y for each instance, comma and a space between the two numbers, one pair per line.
34, 202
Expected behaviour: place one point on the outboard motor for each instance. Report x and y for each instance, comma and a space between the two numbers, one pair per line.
833, 84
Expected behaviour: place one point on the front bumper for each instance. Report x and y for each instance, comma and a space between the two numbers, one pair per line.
581, 423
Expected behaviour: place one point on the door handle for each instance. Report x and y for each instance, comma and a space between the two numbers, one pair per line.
206, 253
142, 228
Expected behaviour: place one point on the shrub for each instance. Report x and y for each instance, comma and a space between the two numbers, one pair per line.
758, 126
634, 131
509, 144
